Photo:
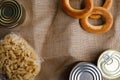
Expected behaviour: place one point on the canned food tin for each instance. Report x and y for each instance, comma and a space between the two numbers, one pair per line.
109, 64
11, 13
85, 71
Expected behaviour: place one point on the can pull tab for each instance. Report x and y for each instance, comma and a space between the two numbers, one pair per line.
106, 58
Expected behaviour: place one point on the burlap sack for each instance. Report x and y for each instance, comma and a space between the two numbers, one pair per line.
60, 40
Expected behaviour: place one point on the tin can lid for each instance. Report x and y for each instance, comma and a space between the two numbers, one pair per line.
85, 71
10, 13
109, 64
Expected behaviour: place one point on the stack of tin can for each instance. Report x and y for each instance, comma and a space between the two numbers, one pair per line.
12, 13
107, 68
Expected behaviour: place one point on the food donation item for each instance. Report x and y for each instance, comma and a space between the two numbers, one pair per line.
12, 13
77, 13
98, 29
92, 12
85, 71
109, 64
107, 5
17, 59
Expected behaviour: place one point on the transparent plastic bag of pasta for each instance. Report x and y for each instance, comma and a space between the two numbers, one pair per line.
18, 60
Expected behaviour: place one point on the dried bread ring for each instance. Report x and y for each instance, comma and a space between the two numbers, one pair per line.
98, 29
75, 12
107, 5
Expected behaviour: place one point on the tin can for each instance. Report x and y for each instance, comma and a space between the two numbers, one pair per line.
109, 64
12, 13
85, 71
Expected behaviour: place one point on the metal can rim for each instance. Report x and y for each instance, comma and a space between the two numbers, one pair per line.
18, 21
98, 73
98, 65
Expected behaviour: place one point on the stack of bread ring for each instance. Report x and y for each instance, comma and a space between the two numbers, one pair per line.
93, 12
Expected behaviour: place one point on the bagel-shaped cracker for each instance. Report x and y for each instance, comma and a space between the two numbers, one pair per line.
75, 12
107, 5
98, 29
